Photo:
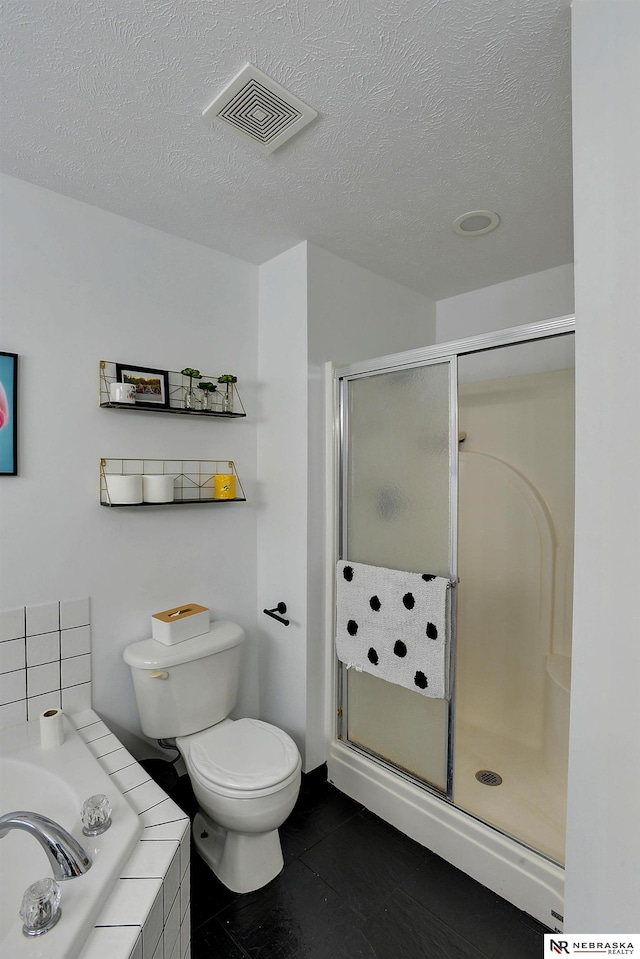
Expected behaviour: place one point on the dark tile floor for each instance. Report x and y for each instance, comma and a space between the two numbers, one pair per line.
353, 887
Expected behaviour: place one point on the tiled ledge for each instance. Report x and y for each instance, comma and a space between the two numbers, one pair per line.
45, 659
147, 914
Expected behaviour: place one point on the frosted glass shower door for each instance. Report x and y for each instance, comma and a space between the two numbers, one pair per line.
397, 481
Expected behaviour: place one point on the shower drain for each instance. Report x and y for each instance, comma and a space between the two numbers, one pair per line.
488, 778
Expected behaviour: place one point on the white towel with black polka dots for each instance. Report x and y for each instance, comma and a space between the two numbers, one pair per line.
395, 625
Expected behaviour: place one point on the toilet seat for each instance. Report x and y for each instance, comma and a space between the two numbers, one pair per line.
242, 759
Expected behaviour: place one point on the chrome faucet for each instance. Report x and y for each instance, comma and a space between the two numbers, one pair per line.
67, 857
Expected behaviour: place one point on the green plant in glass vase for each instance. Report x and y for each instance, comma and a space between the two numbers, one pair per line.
207, 389
227, 397
189, 401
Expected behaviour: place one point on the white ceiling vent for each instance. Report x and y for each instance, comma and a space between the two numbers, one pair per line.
260, 109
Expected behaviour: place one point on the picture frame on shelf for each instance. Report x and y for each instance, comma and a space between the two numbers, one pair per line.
152, 386
8, 414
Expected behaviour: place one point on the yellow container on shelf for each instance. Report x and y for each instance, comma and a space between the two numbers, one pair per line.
224, 486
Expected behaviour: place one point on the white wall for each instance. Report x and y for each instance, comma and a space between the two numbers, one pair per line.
603, 838
282, 491
528, 299
355, 314
80, 285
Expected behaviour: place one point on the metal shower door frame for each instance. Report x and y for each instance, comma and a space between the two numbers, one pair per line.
445, 352
344, 378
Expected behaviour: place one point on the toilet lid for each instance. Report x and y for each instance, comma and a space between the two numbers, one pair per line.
245, 754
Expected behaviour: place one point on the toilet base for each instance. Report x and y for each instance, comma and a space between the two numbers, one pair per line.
243, 862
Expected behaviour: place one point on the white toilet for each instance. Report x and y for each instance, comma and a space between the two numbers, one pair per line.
245, 773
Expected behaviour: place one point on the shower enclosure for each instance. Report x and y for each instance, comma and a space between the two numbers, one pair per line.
458, 461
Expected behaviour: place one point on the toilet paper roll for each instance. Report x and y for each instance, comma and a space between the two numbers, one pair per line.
51, 728
125, 489
157, 488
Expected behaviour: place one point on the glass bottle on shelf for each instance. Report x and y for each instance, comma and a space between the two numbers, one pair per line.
190, 401
207, 390
227, 397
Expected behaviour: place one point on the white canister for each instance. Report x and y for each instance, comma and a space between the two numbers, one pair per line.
124, 490
157, 488
122, 392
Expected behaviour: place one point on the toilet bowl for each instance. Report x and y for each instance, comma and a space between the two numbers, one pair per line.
245, 773
246, 777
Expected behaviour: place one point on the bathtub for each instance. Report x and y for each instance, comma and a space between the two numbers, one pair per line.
55, 782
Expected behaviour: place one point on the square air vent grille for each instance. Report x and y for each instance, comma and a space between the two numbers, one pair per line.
260, 109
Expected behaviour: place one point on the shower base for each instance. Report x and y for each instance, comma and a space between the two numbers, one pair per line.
529, 804
523, 877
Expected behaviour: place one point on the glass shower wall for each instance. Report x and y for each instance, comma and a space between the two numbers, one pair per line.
398, 489
515, 556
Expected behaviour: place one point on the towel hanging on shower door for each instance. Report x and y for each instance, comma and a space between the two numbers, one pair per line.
394, 625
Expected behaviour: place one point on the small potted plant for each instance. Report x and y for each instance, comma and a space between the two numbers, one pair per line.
189, 401
227, 398
208, 389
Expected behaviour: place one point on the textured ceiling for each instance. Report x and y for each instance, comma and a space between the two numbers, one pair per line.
427, 109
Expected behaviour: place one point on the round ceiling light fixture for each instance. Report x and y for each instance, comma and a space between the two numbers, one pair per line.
476, 223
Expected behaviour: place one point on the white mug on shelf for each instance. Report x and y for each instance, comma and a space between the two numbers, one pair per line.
122, 392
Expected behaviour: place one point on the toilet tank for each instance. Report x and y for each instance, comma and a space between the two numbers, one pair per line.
187, 687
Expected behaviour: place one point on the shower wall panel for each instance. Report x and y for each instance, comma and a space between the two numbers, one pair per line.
515, 549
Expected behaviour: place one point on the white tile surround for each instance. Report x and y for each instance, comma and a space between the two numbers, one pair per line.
45, 661
147, 914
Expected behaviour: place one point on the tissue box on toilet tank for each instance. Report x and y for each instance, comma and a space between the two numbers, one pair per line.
183, 622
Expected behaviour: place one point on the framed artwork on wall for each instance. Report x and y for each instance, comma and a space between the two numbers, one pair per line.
8, 414
152, 386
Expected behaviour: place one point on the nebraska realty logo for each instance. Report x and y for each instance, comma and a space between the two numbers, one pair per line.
591, 945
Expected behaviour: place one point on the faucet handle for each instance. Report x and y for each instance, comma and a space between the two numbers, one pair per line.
40, 909
96, 815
